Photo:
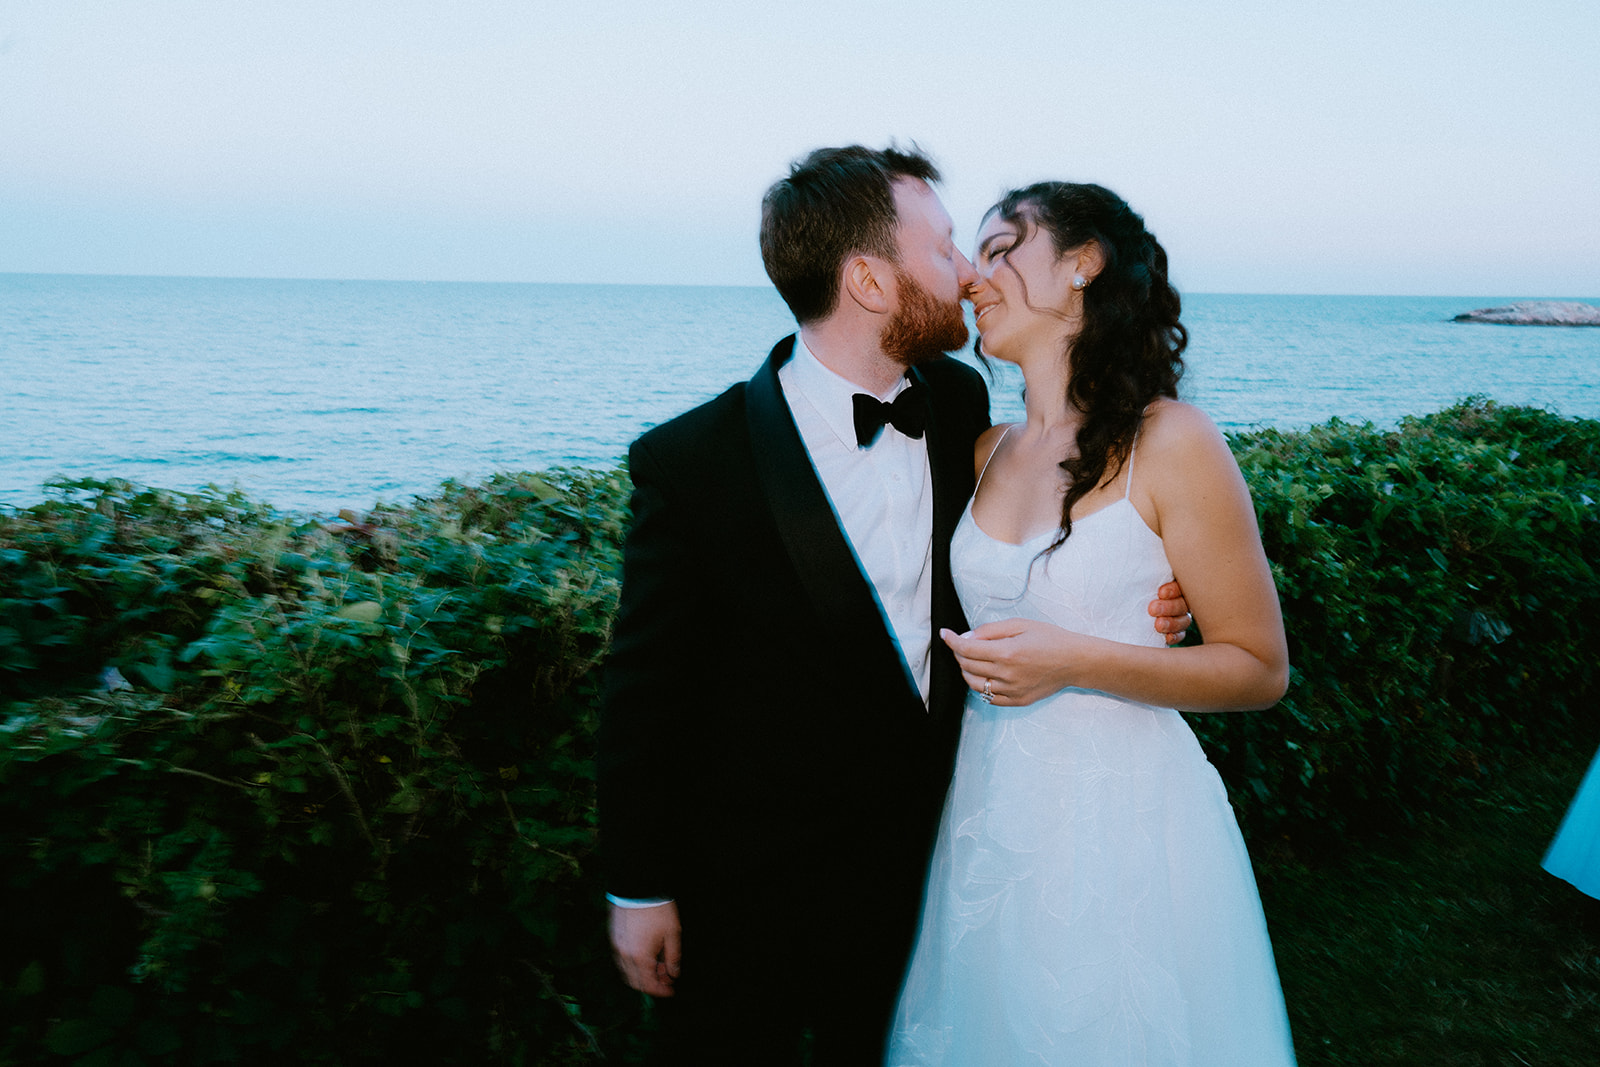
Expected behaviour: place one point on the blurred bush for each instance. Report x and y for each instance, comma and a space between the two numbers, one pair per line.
1438, 589
316, 792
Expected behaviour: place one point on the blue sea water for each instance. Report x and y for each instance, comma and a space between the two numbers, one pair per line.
318, 395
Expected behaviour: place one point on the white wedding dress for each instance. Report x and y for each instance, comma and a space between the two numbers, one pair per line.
1090, 902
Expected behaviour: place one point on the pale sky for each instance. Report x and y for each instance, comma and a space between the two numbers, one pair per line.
1427, 148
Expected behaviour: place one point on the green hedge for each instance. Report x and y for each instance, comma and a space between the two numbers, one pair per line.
270, 788
342, 812
1439, 594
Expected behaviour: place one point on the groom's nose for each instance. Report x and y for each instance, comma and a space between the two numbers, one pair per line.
966, 274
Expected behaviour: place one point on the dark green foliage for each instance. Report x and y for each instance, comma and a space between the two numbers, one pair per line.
1440, 599
338, 797
325, 794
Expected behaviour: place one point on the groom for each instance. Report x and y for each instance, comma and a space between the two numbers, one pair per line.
779, 721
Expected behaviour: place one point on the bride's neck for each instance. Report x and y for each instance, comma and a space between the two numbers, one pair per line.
1046, 406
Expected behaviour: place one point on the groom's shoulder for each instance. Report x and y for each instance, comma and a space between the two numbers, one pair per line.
715, 424
710, 425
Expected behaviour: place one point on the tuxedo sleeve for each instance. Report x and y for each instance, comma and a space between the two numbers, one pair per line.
644, 714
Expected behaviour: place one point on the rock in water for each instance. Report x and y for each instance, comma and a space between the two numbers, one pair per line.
1537, 313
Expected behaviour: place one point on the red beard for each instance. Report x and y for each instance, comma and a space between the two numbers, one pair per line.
921, 328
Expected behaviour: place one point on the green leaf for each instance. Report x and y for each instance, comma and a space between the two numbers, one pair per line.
365, 611
112, 1005
159, 1037
31, 980
73, 1037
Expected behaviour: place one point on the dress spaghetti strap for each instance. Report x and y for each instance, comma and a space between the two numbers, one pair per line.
990, 460
1127, 489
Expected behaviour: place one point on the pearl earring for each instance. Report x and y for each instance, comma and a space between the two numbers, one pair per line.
1078, 281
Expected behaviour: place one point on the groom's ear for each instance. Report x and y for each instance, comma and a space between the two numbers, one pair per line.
865, 282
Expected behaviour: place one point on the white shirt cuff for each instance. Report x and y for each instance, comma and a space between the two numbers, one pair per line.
646, 902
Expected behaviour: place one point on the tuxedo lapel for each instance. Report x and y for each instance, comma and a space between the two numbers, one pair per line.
950, 460
818, 548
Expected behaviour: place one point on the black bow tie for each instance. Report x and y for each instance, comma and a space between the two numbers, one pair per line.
907, 414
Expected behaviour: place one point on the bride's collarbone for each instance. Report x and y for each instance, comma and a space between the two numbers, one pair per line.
1010, 506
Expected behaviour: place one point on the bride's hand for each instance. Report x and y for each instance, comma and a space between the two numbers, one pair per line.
1017, 661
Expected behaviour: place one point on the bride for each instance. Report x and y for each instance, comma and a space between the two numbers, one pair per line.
1090, 900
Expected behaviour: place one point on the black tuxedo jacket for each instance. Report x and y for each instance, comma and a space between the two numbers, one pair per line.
761, 742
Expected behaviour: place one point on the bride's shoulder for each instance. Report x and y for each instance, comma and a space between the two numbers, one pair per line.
1169, 422
987, 442
1180, 437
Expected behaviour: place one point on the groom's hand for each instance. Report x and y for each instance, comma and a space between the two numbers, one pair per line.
647, 944
1171, 612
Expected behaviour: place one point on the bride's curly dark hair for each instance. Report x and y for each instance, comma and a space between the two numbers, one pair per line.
1129, 349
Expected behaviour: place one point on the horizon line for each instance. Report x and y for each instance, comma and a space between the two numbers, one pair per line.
712, 285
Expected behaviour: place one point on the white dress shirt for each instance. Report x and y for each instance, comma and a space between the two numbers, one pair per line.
882, 496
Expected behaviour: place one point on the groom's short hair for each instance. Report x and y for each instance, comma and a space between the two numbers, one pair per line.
835, 203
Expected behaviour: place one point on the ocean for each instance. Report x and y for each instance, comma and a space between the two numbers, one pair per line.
322, 395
